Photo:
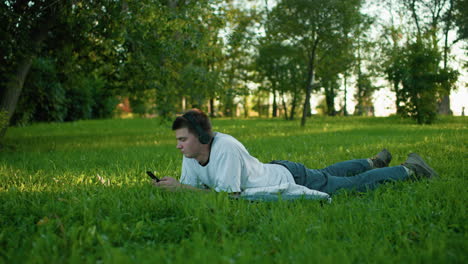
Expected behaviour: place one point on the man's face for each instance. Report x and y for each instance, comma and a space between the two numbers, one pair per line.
188, 143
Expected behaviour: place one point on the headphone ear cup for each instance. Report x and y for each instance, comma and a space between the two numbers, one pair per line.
204, 138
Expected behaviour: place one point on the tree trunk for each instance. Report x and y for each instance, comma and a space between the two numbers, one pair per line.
358, 108
444, 106
212, 111
275, 104
246, 106
285, 108
310, 81
330, 100
293, 106
415, 16
10, 95
307, 99
398, 94
345, 110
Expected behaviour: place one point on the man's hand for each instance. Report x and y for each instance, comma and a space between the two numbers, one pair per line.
168, 183
173, 185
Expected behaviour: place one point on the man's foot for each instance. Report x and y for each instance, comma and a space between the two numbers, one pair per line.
382, 159
419, 167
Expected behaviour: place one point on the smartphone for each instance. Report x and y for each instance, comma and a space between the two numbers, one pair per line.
152, 176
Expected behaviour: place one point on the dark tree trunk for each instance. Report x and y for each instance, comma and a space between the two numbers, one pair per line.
285, 108
275, 104
444, 106
212, 111
310, 81
330, 100
345, 107
10, 94
293, 105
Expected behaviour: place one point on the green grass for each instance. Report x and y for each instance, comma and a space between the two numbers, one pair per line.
54, 210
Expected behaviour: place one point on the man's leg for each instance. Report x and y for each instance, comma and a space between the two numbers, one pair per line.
348, 168
354, 167
414, 168
362, 182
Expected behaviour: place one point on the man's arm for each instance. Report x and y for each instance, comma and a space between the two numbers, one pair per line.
173, 184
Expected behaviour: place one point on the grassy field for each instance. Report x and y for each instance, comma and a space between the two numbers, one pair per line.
53, 209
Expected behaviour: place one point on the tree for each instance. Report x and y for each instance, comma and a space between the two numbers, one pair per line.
423, 25
363, 95
25, 27
171, 49
308, 23
35, 29
171, 54
283, 71
238, 60
422, 79
460, 18
364, 69
393, 64
435, 17
336, 58
267, 64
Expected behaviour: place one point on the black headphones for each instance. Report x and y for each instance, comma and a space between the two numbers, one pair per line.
203, 137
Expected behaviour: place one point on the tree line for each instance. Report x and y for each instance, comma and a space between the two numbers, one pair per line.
69, 60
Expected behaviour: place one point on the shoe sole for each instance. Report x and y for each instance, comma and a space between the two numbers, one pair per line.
416, 159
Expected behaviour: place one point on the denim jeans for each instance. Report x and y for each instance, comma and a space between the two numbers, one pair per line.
351, 175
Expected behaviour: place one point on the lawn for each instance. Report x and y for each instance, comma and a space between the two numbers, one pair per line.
54, 209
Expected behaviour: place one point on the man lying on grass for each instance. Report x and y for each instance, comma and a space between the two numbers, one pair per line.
219, 162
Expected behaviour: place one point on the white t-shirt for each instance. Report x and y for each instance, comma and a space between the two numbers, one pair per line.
232, 169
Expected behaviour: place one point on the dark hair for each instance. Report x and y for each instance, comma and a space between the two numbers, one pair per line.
201, 118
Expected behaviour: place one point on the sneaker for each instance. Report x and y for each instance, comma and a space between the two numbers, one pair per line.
420, 168
382, 159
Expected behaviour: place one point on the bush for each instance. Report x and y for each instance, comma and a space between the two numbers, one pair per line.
43, 97
3, 119
47, 98
424, 80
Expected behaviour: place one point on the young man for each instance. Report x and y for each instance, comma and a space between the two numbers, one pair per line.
221, 163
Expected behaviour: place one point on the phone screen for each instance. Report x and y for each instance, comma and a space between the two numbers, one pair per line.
152, 176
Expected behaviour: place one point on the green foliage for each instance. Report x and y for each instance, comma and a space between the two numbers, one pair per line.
171, 49
104, 98
47, 98
419, 83
461, 18
394, 70
315, 28
54, 209
423, 80
86, 53
427, 47
3, 119
44, 97
72, 47
80, 99
282, 71
238, 56
364, 96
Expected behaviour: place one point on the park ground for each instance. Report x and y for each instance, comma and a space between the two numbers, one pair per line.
77, 193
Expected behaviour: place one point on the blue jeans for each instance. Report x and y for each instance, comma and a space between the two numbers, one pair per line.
350, 175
